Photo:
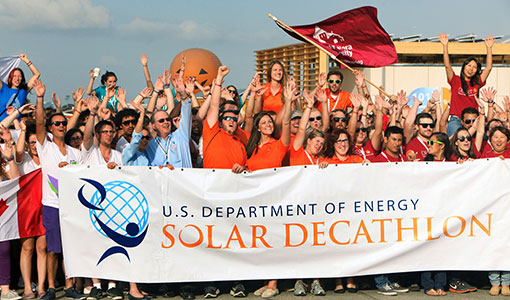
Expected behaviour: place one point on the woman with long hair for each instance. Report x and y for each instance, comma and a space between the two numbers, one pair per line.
466, 85
462, 146
272, 97
339, 149
14, 92
108, 89
439, 147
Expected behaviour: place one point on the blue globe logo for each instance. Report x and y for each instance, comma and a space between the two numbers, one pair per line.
124, 205
120, 212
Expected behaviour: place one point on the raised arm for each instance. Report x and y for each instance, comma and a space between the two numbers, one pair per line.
353, 120
256, 92
20, 146
488, 96
289, 92
56, 101
443, 124
88, 134
411, 116
376, 139
437, 103
79, 106
299, 140
40, 127
323, 98
144, 60
13, 113
443, 38
33, 69
489, 42
214, 107
480, 127
91, 82
154, 97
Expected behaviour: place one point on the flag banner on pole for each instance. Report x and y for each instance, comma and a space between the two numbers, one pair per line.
355, 37
21, 207
142, 224
6, 65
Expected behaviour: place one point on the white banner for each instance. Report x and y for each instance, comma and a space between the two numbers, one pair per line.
144, 224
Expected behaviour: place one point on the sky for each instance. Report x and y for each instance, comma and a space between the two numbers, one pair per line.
67, 38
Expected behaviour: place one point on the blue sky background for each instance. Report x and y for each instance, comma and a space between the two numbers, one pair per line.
66, 38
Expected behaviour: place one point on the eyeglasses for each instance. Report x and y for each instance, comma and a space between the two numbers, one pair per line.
337, 81
469, 121
338, 119
228, 118
463, 138
128, 122
145, 137
318, 118
58, 123
362, 129
429, 125
162, 120
432, 142
342, 141
107, 131
232, 91
76, 138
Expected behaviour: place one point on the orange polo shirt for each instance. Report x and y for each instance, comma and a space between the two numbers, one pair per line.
272, 102
269, 155
342, 100
351, 159
222, 150
300, 158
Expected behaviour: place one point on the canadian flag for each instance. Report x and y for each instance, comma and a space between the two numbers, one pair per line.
21, 207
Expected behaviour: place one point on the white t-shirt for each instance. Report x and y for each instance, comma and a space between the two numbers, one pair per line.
50, 156
93, 156
27, 165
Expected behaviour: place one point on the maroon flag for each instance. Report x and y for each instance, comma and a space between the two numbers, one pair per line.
354, 37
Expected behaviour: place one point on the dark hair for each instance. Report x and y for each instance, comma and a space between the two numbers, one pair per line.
468, 110
501, 129
222, 110
454, 150
475, 79
30, 130
270, 68
102, 124
331, 140
423, 115
3, 172
488, 126
126, 112
50, 119
443, 138
336, 71
69, 135
105, 76
393, 130
236, 95
313, 134
253, 142
22, 84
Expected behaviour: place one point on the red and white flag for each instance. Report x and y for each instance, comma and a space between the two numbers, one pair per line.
355, 37
21, 207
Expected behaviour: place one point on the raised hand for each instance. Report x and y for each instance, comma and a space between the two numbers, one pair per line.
506, 103
443, 38
402, 98
159, 83
93, 104
179, 85
78, 94
435, 95
104, 113
144, 59
309, 98
5, 134
488, 94
489, 41
39, 88
146, 92
26, 108
380, 103
166, 76
109, 94
358, 78
190, 86
138, 106
356, 100
322, 79
223, 71
290, 89
121, 95
56, 100
321, 96
23, 57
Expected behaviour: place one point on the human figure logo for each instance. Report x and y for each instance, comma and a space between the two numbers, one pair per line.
119, 211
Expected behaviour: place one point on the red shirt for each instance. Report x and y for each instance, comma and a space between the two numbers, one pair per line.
459, 101
269, 155
222, 150
366, 151
419, 146
272, 102
385, 157
491, 153
342, 100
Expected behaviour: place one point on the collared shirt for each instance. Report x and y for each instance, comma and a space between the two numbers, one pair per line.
175, 149
131, 156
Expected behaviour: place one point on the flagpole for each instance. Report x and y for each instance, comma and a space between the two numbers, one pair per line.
329, 54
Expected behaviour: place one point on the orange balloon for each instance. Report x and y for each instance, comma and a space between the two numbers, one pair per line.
200, 63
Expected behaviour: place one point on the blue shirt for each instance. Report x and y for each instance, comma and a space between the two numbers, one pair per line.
175, 150
7, 95
131, 156
101, 93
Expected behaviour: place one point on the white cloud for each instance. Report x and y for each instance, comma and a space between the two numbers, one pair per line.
187, 30
53, 14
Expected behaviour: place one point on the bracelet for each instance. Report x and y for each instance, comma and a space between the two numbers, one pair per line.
75, 110
29, 63
156, 91
217, 84
490, 102
40, 96
364, 115
23, 130
354, 112
92, 114
364, 86
166, 86
9, 159
141, 95
310, 107
18, 111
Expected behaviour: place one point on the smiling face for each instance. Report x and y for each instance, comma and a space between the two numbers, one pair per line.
425, 127
361, 134
58, 126
162, 124
294, 125
499, 141
276, 72
462, 142
105, 135
32, 148
111, 82
342, 145
266, 126
17, 77
334, 83
314, 146
470, 69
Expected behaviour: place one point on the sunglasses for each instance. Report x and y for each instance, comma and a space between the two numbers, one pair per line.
337, 81
464, 138
318, 118
145, 137
58, 123
229, 118
129, 122
338, 119
469, 121
430, 125
232, 91
162, 120
431, 142
362, 129
342, 141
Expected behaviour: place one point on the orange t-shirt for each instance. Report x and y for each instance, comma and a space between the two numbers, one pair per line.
351, 159
301, 157
222, 150
342, 100
269, 155
272, 102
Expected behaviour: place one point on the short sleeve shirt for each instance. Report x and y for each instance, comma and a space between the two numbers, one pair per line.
459, 100
269, 155
300, 157
222, 150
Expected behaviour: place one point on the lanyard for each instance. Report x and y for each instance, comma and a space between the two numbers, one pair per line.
423, 143
310, 158
385, 156
167, 153
363, 152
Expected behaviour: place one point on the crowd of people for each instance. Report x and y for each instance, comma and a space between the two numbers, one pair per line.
270, 125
